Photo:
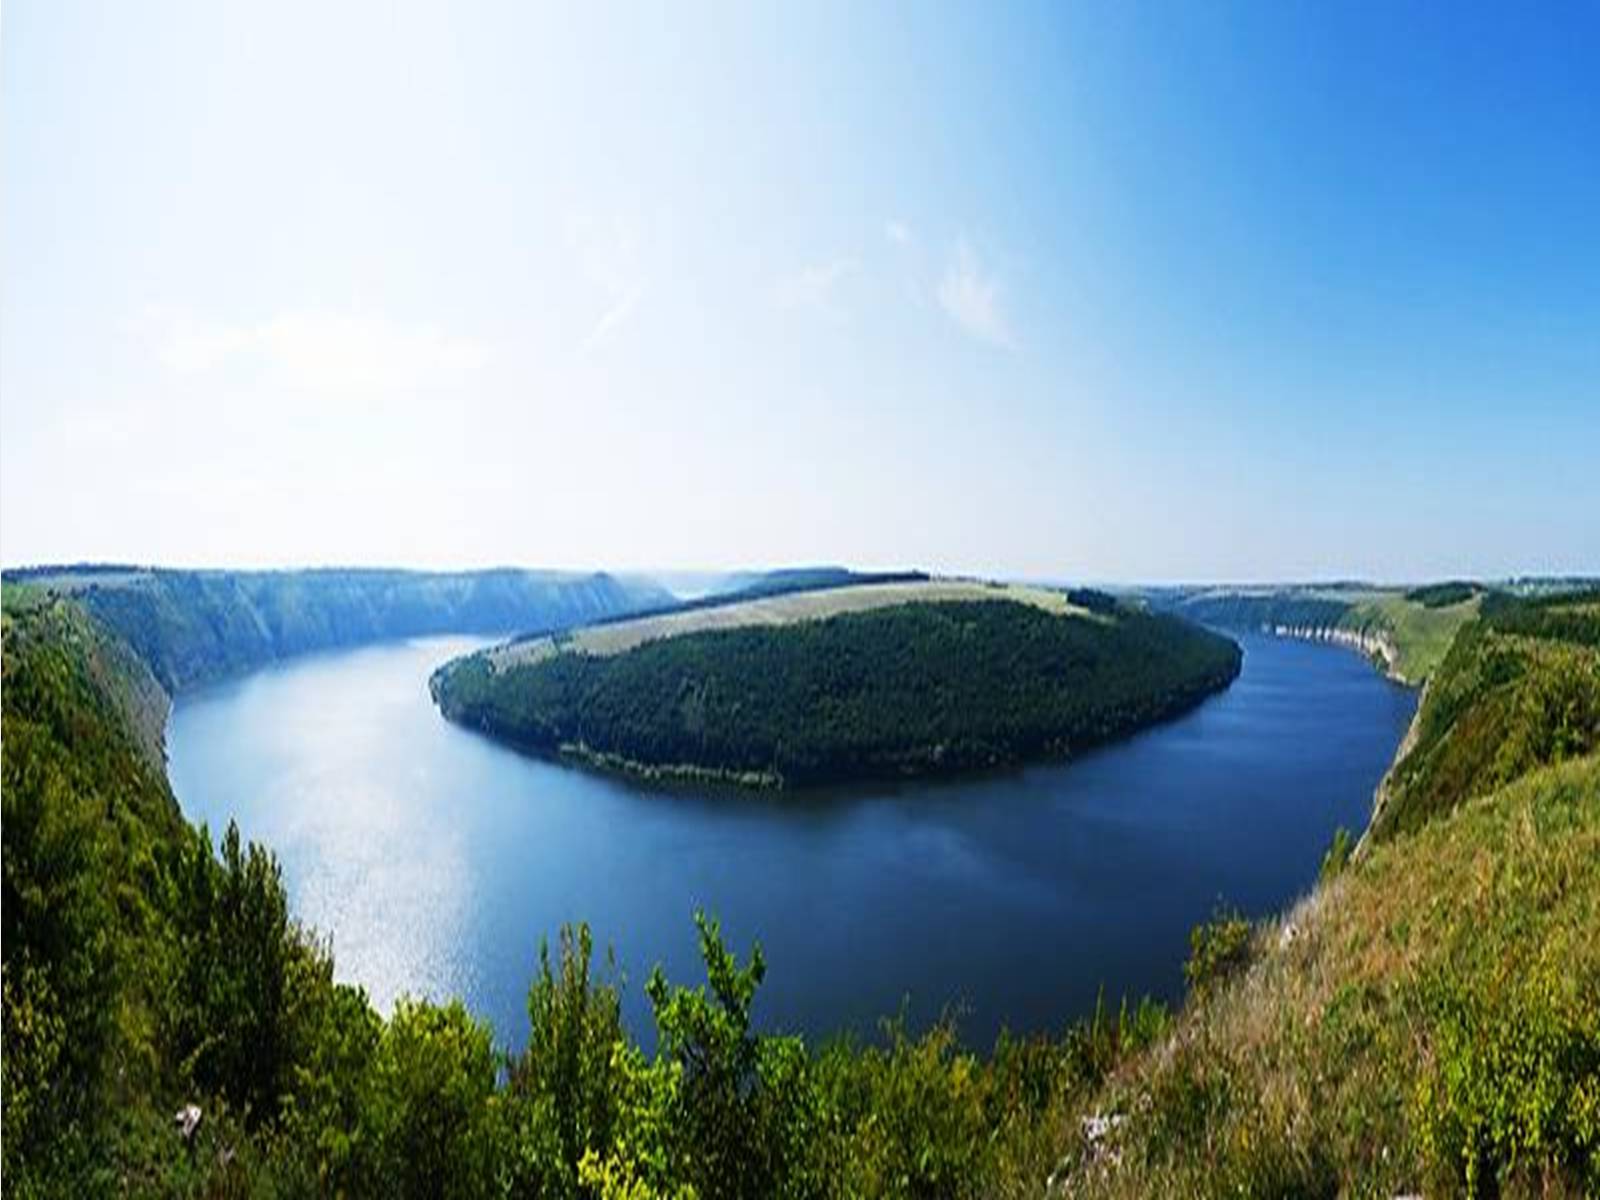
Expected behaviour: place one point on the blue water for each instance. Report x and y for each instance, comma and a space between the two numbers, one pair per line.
437, 860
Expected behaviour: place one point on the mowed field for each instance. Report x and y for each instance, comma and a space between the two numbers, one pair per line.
785, 609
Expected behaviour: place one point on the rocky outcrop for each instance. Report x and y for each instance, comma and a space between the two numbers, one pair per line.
1377, 644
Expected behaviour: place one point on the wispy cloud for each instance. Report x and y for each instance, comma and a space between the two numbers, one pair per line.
611, 320
315, 348
609, 259
898, 232
816, 286
971, 296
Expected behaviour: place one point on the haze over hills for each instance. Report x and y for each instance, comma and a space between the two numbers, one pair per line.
196, 626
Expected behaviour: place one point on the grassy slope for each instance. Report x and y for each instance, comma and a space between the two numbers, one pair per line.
1433, 1009
1421, 635
1506, 699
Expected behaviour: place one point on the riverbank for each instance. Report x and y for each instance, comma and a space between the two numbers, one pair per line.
1378, 647
1380, 798
1409, 629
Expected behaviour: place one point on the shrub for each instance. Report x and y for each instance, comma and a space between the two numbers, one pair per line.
430, 1116
1217, 949
1513, 1084
915, 1112
640, 1164
745, 1110
563, 1092
233, 1021
1337, 856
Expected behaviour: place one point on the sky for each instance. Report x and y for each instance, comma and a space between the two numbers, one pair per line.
1095, 291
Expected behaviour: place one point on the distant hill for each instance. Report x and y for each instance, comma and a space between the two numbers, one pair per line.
1409, 630
755, 585
866, 681
762, 604
195, 626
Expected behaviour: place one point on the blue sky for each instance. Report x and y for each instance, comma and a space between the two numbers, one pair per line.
1103, 291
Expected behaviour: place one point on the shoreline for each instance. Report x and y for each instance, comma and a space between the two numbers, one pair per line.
1381, 653
1374, 647
1380, 797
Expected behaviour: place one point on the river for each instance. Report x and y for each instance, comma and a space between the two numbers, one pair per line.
436, 860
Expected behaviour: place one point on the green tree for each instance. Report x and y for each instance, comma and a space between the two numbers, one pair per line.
431, 1112
1217, 949
234, 1024
565, 1089
746, 1111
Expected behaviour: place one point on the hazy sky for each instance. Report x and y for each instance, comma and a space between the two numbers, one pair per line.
1086, 290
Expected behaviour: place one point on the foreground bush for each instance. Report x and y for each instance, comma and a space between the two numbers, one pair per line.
1217, 950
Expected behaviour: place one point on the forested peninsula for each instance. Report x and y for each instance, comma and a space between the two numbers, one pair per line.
915, 679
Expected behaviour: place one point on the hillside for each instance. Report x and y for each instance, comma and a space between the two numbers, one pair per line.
194, 626
852, 683
1407, 631
1519, 688
92, 836
1427, 1022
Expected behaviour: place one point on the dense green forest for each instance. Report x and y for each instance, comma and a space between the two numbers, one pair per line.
908, 689
195, 626
1428, 1019
1442, 595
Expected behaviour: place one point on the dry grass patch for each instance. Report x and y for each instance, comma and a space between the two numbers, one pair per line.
784, 609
